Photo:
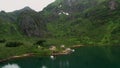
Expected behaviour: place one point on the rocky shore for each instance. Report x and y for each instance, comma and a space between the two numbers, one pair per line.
16, 57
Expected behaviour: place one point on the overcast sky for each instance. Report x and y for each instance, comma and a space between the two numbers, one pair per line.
11, 5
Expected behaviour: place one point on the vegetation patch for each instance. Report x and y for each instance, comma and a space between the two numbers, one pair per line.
42, 43
2, 40
13, 44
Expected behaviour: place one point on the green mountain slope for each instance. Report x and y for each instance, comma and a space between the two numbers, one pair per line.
76, 21
89, 21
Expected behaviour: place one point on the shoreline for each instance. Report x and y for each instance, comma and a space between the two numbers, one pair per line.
76, 46
17, 57
33, 54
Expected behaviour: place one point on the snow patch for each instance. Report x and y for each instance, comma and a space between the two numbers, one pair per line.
59, 13
65, 13
60, 6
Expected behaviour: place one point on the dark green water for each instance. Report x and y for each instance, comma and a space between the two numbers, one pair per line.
84, 57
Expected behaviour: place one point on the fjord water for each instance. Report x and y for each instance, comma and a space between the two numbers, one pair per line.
83, 57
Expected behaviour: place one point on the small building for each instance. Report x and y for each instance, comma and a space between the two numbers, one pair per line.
62, 46
52, 48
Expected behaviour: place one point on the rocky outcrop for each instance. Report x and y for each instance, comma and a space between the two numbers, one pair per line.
28, 26
30, 23
112, 4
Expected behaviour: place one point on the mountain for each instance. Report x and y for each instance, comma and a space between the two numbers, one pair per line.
86, 21
22, 22
90, 22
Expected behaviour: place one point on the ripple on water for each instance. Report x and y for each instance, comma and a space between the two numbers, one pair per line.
44, 66
11, 66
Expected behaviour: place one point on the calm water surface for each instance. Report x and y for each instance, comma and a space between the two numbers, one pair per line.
84, 57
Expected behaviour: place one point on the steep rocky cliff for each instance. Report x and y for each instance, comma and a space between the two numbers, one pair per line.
27, 21
30, 23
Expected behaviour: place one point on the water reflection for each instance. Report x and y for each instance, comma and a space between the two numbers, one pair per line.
44, 66
64, 64
84, 57
11, 66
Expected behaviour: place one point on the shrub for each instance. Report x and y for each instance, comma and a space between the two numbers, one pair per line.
13, 44
2, 40
40, 42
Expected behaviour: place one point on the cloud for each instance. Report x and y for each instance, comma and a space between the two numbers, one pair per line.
11, 66
11, 5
